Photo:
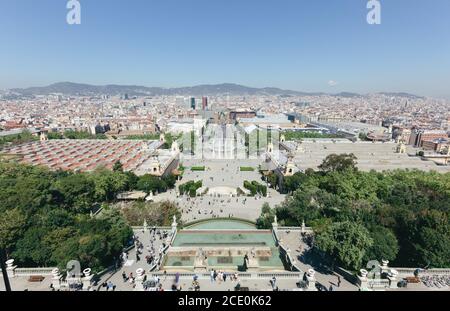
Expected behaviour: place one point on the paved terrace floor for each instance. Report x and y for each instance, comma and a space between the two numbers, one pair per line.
305, 261
370, 156
206, 207
132, 265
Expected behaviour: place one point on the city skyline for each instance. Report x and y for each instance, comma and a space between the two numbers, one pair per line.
296, 45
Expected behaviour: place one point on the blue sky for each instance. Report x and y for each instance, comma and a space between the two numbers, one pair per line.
292, 44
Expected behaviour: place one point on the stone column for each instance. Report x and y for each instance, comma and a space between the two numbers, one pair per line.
145, 225
275, 223
311, 280
10, 268
384, 266
140, 276
363, 282
86, 280
174, 224
392, 277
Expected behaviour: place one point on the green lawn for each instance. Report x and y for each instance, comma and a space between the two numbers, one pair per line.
198, 168
247, 169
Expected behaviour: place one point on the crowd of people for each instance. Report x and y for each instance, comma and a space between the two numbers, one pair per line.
221, 276
153, 252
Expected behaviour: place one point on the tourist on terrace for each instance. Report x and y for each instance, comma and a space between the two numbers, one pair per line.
212, 276
273, 282
177, 278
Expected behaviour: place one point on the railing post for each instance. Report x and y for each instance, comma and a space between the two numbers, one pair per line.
10, 268
311, 280
384, 267
392, 277
86, 280
140, 277
363, 282
3, 268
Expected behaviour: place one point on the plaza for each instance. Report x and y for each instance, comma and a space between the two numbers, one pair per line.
370, 156
221, 178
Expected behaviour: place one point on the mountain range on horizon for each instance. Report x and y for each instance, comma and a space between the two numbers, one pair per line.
80, 89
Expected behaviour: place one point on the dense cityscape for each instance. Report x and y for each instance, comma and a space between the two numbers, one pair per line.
244, 148
175, 171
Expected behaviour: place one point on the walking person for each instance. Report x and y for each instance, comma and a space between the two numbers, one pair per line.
274, 282
177, 278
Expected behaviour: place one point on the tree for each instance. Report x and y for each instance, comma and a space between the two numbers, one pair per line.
292, 183
45, 216
18, 139
75, 191
12, 225
53, 136
107, 184
149, 183
158, 214
431, 239
405, 211
385, 245
347, 242
118, 167
339, 163
267, 217
30, 249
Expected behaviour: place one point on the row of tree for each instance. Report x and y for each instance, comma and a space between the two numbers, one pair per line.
70, 134
297, 135
255, 188
17, 139
190, 188
158, 214
46, 217
402, 215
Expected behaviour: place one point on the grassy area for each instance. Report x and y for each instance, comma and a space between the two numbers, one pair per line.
144, 137
295, 135
198, 168
70, 134
247, 169
18, 139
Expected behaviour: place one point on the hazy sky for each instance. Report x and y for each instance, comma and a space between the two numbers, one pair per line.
307, 45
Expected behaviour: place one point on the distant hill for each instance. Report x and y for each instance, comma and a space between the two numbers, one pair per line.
70, 88
400, 94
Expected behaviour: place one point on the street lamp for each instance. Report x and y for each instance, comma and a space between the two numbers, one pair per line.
3, 267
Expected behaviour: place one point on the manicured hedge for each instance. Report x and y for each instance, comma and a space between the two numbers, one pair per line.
255, 188
190, 188
198, 168
247, 169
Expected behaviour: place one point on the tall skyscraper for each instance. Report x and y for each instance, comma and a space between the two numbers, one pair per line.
204, 103
193, 103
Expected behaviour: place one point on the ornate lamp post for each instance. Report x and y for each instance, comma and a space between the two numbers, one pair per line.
3, 267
